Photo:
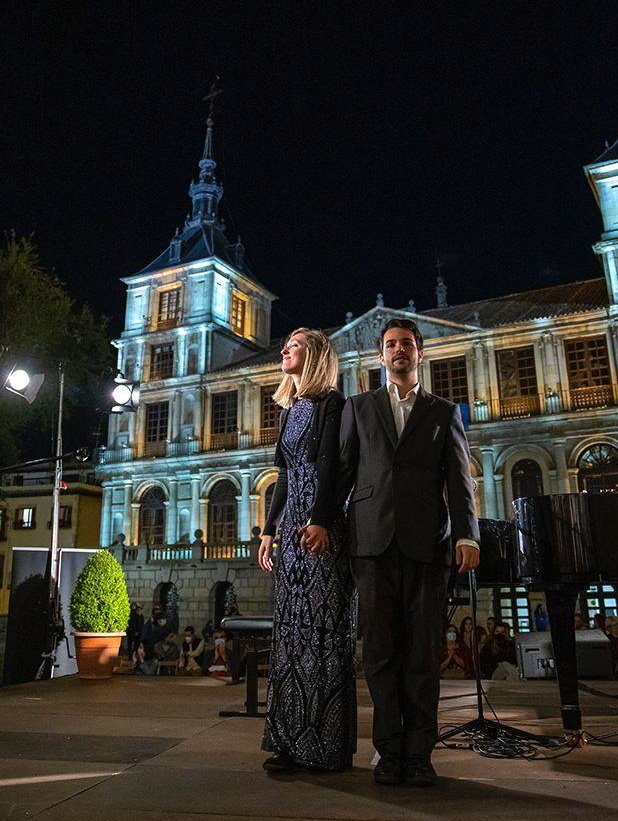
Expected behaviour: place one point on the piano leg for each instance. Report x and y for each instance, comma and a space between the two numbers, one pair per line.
561, 611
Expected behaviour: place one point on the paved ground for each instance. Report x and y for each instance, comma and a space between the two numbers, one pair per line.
155, 749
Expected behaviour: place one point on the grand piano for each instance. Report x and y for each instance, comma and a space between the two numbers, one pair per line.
559, 544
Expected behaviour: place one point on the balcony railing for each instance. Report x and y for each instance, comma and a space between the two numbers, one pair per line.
186, 448
215, 551
104, 456
523, 407
224, 441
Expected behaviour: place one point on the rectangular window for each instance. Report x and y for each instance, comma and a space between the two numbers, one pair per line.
161, 361
269, 416
449, 379
239, 306
65, 516
375, 378
223, 423
168, 315
512, 606
24, 518
519, 394
224, 410
157, 415
588, 369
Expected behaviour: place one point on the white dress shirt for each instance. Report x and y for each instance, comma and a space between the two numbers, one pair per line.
402, 408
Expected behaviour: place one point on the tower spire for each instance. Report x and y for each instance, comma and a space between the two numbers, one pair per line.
206, 193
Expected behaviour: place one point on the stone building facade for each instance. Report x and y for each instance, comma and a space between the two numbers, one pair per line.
535, 374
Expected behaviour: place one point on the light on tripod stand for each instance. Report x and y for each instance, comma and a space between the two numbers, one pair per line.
23, 383
125, 395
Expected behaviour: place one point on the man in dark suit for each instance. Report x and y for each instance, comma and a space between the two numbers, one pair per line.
405, 455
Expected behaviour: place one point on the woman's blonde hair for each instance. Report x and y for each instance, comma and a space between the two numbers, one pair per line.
320, 370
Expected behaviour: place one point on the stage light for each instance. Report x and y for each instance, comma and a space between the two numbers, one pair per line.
125, 395
23, 383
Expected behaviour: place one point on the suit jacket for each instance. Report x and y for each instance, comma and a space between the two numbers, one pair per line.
404, 488
323, 449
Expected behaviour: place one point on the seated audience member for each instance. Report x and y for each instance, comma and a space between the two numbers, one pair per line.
219, 667
580, 622
452, 661
191, 653
498, 654
145, 662
155, 628
167, 649
611, 631
207, 630
465, 642
541, 618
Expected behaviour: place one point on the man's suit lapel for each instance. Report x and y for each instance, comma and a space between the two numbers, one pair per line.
423, 403
383, 407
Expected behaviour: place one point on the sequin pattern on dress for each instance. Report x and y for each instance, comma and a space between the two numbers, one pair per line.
311, 705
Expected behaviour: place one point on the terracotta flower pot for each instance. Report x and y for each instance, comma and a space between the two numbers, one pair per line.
96, 653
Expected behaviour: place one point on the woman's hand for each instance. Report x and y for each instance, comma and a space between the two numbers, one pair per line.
314, 538
264, 560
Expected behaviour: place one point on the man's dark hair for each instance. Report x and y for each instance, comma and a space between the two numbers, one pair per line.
400, 323
502, 624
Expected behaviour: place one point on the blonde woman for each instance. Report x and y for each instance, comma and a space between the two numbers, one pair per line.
311, 708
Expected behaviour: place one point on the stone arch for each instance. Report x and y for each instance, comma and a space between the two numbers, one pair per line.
509, 457
598, 468
578, 450
211, 481
262, 488
145, 485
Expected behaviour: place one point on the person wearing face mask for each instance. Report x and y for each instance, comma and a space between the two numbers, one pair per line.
190, 653
452, 661
311, 704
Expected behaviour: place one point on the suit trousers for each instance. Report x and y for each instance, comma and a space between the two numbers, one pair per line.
401, 612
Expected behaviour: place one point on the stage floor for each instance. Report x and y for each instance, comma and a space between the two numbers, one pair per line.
155, 749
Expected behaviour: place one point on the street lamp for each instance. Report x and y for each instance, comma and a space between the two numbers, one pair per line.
125, 394
23, 383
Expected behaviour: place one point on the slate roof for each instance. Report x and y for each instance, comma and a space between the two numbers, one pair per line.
199, 242
556, 300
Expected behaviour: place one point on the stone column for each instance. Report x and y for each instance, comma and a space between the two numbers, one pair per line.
106, 516
197, 416
489, 484
195, 506
500, 501
204, 517
207, 419
133, 533
612, 349
201, 352
480, 393
176, 408
180, 363
255, 511
171, 514
244, 507
562, 470
126, 507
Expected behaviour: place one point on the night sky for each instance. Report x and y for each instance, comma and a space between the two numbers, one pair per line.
357, 142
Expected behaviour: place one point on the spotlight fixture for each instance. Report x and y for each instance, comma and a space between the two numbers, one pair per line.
125, 395
23, 383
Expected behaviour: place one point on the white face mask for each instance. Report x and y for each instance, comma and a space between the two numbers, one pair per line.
451, 636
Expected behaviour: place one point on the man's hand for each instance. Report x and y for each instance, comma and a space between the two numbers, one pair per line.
314, 538
264, 560
467, 557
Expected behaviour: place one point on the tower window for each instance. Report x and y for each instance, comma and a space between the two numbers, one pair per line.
519, 393
239, 311
157, 416
24, 518
161, 361
168, 315
589, 376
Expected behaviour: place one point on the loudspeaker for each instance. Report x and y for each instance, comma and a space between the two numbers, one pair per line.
535, 654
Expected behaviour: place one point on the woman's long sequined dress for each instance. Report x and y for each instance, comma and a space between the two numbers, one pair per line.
311, 707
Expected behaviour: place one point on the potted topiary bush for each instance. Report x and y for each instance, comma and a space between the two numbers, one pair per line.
99, 614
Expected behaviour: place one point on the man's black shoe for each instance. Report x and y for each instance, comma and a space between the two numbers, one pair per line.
280, 763
421, 775
389, 770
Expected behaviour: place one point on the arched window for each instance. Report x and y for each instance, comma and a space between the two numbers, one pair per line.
222, 512
598, 469
152, 517
527, 479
